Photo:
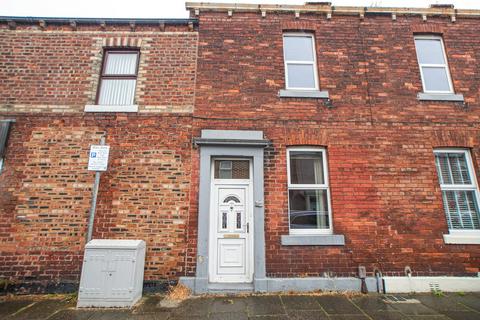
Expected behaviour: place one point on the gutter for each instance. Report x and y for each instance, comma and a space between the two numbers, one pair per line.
117, 21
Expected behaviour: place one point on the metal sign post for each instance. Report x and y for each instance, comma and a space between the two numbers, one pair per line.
98, 162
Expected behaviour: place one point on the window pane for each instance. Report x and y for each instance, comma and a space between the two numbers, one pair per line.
118, 92
452, 168
436, 79
308, 209
298, 48
232, 169
306, 167
121, 64
461, 209
429, 51
301, 76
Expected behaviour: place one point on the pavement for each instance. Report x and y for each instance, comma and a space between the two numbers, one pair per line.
440, 306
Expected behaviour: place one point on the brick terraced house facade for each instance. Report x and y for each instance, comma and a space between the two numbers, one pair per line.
50, 72
253, 147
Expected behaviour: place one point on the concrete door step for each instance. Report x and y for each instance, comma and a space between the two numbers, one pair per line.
230, 287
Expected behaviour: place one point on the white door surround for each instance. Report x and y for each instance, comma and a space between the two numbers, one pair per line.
231, 224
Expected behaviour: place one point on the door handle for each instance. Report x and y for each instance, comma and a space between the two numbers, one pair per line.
248, 227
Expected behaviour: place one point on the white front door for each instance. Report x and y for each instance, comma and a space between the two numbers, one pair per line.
231, 245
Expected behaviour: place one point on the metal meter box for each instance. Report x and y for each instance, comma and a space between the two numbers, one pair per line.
112, 273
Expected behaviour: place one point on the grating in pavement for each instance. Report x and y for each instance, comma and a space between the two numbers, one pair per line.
398, 299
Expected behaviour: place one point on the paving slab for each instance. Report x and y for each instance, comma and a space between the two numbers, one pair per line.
307, 315
300, 303
41, 310
229, 316
119, 314
430, 317
451, 306
348, 317
441, 303
372, 303
185, 317
148, 316
462, 315
228, 304
276, 317
193, 307
152, 316
471, 300
9, 307
414, 309
337, 304
72, 314
387, 315
148, 304
265, 305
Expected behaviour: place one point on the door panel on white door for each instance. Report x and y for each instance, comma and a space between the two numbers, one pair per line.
231, 253
230, 238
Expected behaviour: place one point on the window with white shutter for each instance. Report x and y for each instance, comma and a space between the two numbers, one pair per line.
118, 78
459, 189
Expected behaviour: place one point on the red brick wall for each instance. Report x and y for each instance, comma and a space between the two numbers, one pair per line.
46, 192
385, 194
46, 79
57, 69
380, 139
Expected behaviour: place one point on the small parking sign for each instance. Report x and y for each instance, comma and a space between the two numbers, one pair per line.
98, 159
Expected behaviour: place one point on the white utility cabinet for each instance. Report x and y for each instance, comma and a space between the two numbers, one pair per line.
112, 273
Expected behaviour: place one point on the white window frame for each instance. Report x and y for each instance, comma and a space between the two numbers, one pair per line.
324, 186
314, 63
433, 65
455, 187
1, 165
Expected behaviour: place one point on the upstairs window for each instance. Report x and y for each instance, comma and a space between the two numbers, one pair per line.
433, 64
118, 78
308, 191
300, 61
459, 189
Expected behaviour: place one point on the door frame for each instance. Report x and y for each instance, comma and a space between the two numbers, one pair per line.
249, 207
229, 143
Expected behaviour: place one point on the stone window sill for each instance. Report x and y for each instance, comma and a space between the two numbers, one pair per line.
461, 238
313, 240
440, 97
315, 94
101, 108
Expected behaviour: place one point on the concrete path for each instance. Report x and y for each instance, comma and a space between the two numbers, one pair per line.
451, 306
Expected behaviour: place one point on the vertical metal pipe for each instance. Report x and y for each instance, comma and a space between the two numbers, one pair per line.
93, 205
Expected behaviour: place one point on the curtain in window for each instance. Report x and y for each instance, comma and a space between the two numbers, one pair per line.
117, 92
121, 64
4, 127
322, 213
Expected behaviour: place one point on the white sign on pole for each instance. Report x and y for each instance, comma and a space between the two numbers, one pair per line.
98, 158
